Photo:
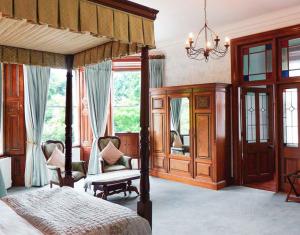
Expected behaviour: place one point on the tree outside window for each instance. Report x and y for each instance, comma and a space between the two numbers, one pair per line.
54, 126
126, 94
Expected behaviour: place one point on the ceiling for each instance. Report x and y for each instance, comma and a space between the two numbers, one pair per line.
177, 18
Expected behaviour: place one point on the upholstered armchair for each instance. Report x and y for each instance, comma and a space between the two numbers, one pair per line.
57, 176
124, 163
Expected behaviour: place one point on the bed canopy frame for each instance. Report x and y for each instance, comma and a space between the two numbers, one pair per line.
75, 33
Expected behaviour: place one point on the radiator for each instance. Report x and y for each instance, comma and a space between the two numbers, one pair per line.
5, 166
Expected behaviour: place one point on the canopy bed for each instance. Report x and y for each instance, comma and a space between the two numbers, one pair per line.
76, 33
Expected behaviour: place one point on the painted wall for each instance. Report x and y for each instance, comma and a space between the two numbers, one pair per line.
179, 70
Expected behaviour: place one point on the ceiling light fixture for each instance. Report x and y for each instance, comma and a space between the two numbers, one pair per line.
211, 47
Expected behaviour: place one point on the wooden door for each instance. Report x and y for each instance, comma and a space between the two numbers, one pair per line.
257, 124
14, 123
289, 96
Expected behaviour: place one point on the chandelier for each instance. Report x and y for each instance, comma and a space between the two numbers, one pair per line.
211, 47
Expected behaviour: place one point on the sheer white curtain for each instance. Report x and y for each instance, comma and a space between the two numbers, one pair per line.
98, 82
156, 72
36, 84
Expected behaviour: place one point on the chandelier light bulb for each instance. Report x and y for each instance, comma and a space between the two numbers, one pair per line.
187, 44
227, 40
208, 45
191, 37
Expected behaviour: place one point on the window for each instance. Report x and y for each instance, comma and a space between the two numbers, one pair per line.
126, 94
54, 126
290, 117
290, 58
257, 63
250, 118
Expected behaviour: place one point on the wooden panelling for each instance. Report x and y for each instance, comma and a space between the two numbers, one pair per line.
202, 102
203, 169
158, 103
129, 144
179, 165
158, 162
14, 121
159, 127
208, 160
202, 128
158, 133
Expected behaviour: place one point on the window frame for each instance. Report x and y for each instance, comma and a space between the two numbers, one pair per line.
280, 45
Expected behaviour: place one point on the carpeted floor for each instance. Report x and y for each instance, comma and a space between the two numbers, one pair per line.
180, 209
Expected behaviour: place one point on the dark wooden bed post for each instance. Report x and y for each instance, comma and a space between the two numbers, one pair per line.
144, 206
68, 181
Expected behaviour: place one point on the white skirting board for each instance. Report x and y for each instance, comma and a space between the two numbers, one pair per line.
5, 166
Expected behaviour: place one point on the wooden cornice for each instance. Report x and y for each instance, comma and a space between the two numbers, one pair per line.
130, 7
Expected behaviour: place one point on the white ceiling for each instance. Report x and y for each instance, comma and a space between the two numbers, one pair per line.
179, 17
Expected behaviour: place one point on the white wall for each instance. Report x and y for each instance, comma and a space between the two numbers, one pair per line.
182, 71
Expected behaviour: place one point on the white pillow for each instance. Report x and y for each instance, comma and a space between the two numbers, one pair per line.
57, 159
111, 154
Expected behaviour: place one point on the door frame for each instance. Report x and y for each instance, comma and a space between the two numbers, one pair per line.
237, 138
256, 90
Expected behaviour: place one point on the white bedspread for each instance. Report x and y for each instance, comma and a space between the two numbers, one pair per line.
66, 211
13, 224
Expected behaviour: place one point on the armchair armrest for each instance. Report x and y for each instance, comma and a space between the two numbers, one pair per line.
102, 164
79, 166
126, 160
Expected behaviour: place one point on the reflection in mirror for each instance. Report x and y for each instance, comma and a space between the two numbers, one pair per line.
180, 126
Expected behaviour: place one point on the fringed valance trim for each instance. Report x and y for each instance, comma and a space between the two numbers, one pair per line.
83, 16
13, 55
107, 51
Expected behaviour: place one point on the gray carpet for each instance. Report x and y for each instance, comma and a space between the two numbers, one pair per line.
180, 209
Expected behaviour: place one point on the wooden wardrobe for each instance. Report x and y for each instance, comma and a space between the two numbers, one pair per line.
204, 159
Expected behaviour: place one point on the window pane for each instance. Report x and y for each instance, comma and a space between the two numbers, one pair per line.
263, 117
126, 101
250, 118
290, 59
54, 125
290, 117
257, 63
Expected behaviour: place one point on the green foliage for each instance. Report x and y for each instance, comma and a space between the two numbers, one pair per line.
126, 101
54, 127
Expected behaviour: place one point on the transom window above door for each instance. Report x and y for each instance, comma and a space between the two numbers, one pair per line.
257, 63
290, 58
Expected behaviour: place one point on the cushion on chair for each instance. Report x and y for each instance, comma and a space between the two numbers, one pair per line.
111, 154
104, 142
57, 159
114, 168
50, 147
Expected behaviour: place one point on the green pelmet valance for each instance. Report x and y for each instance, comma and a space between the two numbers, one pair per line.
13, 55
42, 32
83, 16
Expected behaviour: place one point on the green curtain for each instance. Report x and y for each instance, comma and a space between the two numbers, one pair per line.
98, 80
156, 72
3, 191
1, 110
175, 113
36, 84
